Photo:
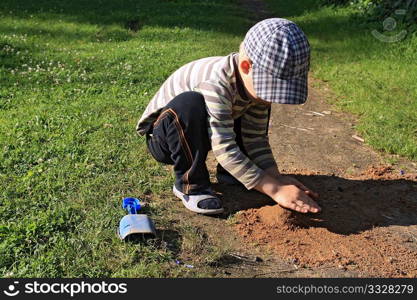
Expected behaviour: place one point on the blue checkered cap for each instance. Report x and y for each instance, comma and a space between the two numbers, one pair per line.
280, 55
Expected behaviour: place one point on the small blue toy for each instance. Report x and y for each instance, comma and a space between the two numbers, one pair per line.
131, 205
134, 223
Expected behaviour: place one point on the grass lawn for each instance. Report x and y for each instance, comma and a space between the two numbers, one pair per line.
375, 80
75, 77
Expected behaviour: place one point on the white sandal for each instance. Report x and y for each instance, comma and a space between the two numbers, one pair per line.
191, 202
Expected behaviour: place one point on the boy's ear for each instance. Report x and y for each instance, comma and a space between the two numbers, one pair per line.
245, 65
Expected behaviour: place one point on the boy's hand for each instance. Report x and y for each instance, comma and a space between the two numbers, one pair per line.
289, 193
292, 197
287, 180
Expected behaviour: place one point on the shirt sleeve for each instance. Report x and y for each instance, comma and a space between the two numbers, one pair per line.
223, 138
255, 136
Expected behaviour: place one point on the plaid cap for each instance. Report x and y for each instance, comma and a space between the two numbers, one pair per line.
280, 55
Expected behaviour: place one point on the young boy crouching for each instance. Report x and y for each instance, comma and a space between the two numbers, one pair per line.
223, 104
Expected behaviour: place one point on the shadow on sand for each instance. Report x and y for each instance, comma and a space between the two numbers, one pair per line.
349, 206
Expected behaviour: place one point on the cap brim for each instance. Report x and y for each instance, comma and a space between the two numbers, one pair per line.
277, 90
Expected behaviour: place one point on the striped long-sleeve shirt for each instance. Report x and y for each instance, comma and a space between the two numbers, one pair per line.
215, 79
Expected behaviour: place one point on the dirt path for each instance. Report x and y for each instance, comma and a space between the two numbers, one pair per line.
368, 226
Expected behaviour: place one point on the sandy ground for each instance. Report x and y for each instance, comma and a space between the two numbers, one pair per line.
368, 226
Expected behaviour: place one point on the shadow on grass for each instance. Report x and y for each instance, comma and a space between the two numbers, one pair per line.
131, 15
349, 206
164, 239
64, 34
169, 239
293, 8
9, 59
50, 27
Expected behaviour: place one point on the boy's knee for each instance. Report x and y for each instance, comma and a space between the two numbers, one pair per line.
189, 103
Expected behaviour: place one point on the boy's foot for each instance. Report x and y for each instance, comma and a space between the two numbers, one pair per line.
204, 203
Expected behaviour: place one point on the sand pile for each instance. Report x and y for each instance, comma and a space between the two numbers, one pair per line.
367, 225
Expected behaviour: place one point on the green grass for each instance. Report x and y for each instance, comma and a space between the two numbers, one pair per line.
74, 80
372, 79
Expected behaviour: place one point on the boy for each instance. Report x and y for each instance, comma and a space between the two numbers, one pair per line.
223, 104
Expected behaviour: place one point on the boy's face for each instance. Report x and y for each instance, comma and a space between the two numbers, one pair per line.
245, 70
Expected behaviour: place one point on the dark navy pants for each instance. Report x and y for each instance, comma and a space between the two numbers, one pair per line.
180, 137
